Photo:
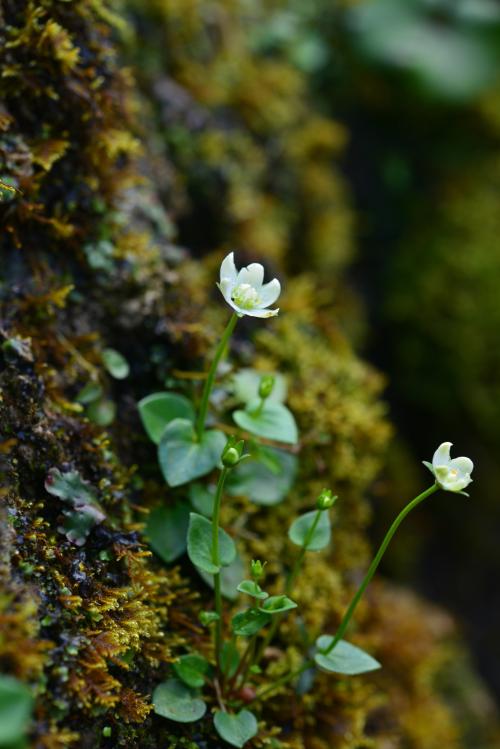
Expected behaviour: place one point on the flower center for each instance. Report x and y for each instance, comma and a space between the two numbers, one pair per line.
453, 473
245, 296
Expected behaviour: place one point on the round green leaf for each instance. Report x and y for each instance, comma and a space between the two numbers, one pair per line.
202, 498
274, 422
159, 409
166, 530
251, 588
247, 623
236, 729
246, 386
191, 669
16, 704
300, 529
266, 479
344, 658
115, 363
182, 457
277, 605
199, 545
174, 700
229, 577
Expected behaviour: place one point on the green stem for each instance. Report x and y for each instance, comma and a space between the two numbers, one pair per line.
209, 382
289, 585
216, 561
350, 611
375, 563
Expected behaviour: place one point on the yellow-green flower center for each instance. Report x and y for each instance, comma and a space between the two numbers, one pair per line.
245, 296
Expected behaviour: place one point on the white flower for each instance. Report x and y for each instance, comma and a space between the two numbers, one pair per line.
245, 290
451, 475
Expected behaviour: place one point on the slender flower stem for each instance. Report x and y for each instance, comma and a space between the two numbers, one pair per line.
350, 611
209, 382
216, 561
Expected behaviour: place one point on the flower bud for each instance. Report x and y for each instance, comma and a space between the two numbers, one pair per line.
326, 500
207, 617
231, 455
257, 569
266, 386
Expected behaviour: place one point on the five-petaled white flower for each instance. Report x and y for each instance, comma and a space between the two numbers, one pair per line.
451, 475
245, 290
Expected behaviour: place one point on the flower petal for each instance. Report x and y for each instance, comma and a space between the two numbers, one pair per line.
228, 268
261, 312
252, 274
226, 286
442, 455
464, 465
270, 292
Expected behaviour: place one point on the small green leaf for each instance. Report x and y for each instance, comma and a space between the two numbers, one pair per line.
229, 659
102, 412
199, 545
301, 527
182, 457
159, 409
344, 658
85, 510
89, 393
247, 623
251, 588
266, 479
229, 577
274, 422
166, 530
115, 363
236, 728
277, 605
174, 700
16, 704
246, 386
202, 498
191, 669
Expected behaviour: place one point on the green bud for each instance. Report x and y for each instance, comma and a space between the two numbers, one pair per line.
266, 386
208, 617
106, 731
231, 455
326, 500
257, 569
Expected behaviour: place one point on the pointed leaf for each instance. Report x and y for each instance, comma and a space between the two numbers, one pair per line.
199, 545
251, 588
236, 729
344, 658
301, 527
277, 605
159, 409
274, 422
247, 623
182, 457
174, 700
166, 530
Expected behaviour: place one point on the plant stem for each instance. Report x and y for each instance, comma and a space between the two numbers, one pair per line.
216, 561
209, 382
375, 563
289, 585
350, 611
